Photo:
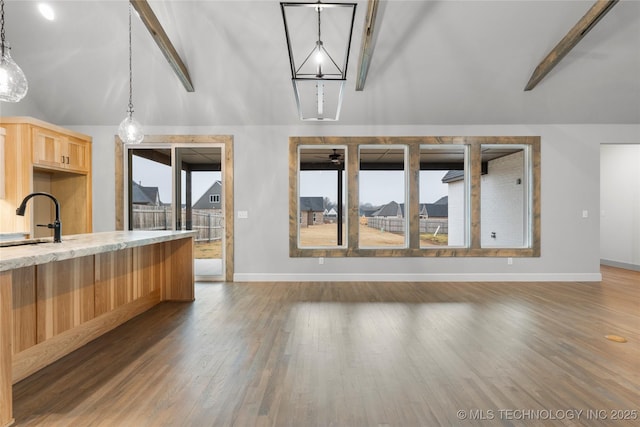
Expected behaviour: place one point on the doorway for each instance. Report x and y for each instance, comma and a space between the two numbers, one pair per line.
183, 185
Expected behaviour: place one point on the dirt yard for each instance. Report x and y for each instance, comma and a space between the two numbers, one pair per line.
325, 235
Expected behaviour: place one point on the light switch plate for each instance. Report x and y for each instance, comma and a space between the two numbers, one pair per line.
243, 214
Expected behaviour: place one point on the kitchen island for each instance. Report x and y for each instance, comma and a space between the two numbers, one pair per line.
56, 297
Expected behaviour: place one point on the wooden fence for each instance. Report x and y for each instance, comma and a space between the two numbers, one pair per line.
209, 223
396, 225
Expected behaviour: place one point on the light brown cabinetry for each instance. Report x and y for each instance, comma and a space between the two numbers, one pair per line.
54, 150
6, 397
59, 306
40, 156
70, 293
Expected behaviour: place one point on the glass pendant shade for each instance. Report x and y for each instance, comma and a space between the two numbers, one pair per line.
13, 82
130, 131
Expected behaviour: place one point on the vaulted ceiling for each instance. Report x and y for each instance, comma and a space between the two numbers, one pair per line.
434, 62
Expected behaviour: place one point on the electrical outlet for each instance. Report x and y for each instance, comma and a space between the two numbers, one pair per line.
243, 214
509, 260
321, 261
585, 214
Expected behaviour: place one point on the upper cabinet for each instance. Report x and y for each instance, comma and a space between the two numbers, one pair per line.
55, 150
2, 171
40, 156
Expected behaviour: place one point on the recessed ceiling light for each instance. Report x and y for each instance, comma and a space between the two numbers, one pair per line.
46, 11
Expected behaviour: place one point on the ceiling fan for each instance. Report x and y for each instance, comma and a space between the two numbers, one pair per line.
335, 157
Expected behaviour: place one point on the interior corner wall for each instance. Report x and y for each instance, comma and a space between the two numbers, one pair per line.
570, 184
620, 205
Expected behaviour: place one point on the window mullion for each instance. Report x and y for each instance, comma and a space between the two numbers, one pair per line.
474, 210
353, 199
413, 201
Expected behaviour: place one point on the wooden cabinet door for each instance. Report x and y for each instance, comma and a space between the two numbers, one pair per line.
65, 295
48, 148
77, 158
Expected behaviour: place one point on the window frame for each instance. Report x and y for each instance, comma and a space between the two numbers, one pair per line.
473, 214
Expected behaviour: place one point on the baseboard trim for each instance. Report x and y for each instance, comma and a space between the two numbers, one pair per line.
454, 277
618, 264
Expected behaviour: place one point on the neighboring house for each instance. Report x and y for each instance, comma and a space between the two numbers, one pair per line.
147, 196
504, 207
366, 211
311, 211
390, 210
456, 206
211, 199
439, 209
330, 215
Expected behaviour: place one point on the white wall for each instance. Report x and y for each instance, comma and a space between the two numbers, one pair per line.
456, 212
570, 184
620, 204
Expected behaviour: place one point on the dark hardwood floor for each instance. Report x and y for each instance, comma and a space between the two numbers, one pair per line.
358, 354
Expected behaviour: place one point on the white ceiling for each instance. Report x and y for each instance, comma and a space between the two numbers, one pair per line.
435, 62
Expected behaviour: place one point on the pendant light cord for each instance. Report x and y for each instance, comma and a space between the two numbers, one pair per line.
319, 8
130, 68
2, 25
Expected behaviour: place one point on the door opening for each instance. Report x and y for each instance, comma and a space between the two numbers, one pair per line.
181, 188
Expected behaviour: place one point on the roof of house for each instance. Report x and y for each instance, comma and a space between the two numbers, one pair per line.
439, 209
390, 209
313, 204
204, 202
367, 211
145, 195
452, 176
444, 200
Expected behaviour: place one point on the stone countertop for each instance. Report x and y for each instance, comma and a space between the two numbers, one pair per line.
79, 245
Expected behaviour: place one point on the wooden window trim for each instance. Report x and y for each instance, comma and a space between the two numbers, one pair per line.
474, 144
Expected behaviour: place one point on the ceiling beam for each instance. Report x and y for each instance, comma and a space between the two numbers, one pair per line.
368, 44
162, 40
588, 21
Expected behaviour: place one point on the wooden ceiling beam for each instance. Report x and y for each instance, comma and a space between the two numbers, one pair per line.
162, 40
368, 44
588, 21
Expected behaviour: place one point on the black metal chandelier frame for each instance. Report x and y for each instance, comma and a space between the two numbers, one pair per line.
319, 76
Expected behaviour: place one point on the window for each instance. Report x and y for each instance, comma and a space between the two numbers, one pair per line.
415, 196
214, 198
321, 197
382, 194
504, 201
443, 196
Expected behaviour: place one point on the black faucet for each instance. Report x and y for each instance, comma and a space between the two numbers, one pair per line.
57, 226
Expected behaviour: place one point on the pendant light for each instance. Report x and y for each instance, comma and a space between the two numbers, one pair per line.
130, 131
13, 82
318, 41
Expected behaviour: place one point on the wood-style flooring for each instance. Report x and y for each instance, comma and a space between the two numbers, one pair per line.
358, 354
